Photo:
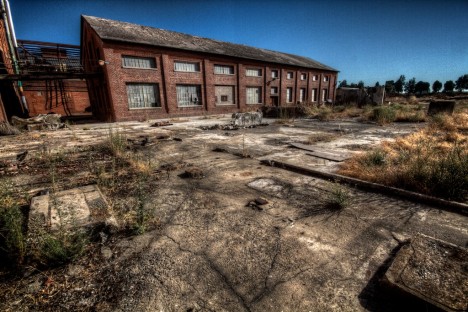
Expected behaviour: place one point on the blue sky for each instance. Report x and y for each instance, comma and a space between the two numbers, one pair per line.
365, 40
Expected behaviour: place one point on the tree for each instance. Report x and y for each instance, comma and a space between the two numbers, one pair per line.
436, 86
410, 86
377, 84
360, 84
343, 83
462, 83
422, 87
449, 86
389, 86
399, 84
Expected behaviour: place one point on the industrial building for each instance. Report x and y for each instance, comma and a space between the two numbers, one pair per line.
123, 71
154, 73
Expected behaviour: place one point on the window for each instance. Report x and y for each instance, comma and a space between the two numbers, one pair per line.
274, 73
324, 95
224, 70
253, 72
326, 78
188, 95
138, 62
302, 95
289, 96
143, 95
314, 95
303, 76
274, 90
224, 95
254, 95
186, 66
314, 77
290, 75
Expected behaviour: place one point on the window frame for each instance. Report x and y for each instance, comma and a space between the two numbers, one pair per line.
259, 70
275, 71
314, 95
324, 94
224, 67
198, 94
233, 95
275, 93
156, 95
326, 78
151, 59
260, 98
289, 95
315, 78
303, 76
197, 66
290, 75
302, 95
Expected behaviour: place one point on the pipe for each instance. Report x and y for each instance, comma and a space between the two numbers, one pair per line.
10, 22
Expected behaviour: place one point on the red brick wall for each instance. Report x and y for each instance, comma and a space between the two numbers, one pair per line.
75, 91
116, 77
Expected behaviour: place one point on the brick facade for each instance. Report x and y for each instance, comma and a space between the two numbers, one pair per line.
109, 97
39, 102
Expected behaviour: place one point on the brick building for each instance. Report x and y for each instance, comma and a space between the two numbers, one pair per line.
152, 73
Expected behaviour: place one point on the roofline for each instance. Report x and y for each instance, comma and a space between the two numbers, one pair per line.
213, 53
83, 18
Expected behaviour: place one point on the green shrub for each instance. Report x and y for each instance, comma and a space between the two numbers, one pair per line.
11, 220
375, 157
338, 198
384, 115
58, 249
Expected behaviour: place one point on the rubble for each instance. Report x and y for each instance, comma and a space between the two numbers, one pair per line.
39, 122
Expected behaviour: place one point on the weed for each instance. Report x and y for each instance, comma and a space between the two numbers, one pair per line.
383, 115
61, 248
432, 161
11, 225
116, 143
338, 198
320, 137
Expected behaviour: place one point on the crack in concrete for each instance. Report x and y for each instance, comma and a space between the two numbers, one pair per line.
216, 269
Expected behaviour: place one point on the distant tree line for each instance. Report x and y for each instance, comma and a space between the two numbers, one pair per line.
412, 87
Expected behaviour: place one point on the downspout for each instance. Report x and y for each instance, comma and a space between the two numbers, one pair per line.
10, 30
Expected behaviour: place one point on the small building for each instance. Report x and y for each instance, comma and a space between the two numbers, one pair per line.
149, 73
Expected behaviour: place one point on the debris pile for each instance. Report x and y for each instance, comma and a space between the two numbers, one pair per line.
39, 122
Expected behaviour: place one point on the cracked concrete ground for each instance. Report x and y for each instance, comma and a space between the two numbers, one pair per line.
212, 253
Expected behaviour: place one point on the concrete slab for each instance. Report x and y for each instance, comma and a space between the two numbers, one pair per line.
79, 207
322, 153
432, 270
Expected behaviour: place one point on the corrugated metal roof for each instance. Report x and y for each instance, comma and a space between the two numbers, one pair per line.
127, 32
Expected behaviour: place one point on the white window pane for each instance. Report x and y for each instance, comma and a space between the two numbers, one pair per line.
188, 95
253, 72
254, 95
186, 66
143, 95
224, 69
138, 62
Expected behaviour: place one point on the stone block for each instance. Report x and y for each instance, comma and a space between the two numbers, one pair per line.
247, 119
432, 270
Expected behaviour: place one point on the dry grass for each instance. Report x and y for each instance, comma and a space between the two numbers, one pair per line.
433, 161
321, 137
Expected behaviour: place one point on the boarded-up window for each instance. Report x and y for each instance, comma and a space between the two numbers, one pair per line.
143, 95
254, 95
224, 70
302, 95
290, 75
186, 66
274, 73
314, 95
224, 95
253, 72
289, 96
138, 62
188, 95
324, 95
